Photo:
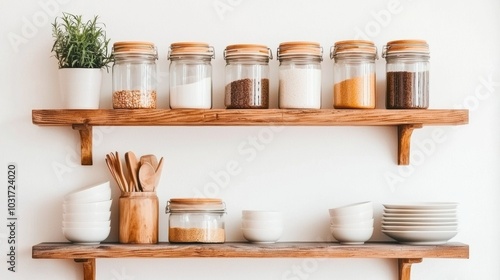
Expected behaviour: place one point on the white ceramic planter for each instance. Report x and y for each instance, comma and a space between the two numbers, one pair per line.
80, 87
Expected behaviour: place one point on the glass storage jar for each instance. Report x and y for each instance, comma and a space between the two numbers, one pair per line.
196, 220
134, 75
299, 75
190, 75
247, 76
354, 74
407, 74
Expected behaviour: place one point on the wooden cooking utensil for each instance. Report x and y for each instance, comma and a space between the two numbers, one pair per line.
158, 173
133, 168
147, 177
121, 173
113, 173
151, 159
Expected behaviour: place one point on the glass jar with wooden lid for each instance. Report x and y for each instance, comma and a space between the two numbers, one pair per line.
196, 220
299, 75
354, 79
190, 75
247, 76
134, 75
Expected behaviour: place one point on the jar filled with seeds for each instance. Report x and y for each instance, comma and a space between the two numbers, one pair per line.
299, 75
354, 74
196, 220
190, 75
247, 76
134, 75
407, 72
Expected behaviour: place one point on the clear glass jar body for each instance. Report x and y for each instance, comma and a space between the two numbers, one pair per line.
134, 81
407, 78
247, 84
354, 81
196, 227
299, 83
190, 83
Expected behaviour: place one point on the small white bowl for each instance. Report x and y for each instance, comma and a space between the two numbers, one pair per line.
354, 218
89, 191
267, 235
363, 224
261, 215
245, 223
351, 209
87, 217
100, 224
98, 197
102, 206
86, 235
352, 235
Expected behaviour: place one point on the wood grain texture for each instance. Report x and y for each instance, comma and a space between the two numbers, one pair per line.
228, 117
248, 250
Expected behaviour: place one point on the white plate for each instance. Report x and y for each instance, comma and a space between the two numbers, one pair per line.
421, 237
421, 220
423, 205
420, 211
386, 223
420, 228
391, 215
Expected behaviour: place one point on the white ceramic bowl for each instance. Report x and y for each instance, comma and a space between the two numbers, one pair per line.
72, 207
352, 235
98, 224
261, 215
363, 224
89, 191
86, 235
87, 217
354, 218
351, 209
267, 235
245, 223
99, 197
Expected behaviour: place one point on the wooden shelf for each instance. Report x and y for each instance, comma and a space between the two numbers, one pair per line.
405, 120
405, 254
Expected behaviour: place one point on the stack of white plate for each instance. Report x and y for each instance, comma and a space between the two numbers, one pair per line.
426, 223
86, 214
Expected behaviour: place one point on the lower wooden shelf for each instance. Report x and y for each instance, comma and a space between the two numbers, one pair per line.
405, 254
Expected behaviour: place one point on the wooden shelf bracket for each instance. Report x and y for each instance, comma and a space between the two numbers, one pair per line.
404, 268
89, 268
404, 137
85, 131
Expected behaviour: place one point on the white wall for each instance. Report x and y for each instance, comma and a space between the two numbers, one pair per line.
301, 170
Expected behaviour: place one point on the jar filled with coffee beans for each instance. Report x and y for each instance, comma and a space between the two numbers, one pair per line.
247, 76
196, 220
407, 72
134, 75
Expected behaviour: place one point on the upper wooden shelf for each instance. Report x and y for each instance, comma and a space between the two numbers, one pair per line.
405, 120
405, 254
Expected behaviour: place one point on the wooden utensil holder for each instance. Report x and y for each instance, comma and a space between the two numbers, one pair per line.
139, 218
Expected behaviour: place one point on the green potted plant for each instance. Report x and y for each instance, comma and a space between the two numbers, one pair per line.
81, 48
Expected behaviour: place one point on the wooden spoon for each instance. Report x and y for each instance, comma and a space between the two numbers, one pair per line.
151, 159
121, 173
113, 173
133, 168
147, 177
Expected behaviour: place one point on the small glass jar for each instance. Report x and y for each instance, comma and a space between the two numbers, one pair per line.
196, 220
407, 74
190, 75
299, 75
134, 75
247, 76
354, 74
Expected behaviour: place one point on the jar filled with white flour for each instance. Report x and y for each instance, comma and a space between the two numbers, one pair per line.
300, 75
190, 75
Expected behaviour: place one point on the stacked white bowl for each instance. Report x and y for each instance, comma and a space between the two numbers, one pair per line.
262, 226
424, 223
87, 213
352, 223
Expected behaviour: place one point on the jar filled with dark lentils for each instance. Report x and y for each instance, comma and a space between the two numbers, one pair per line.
247, 76
407, 72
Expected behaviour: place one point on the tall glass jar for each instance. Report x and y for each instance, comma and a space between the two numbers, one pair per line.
354, 74
196, 220
300, 75
134, 75
407, 73
190, 75
247, 76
